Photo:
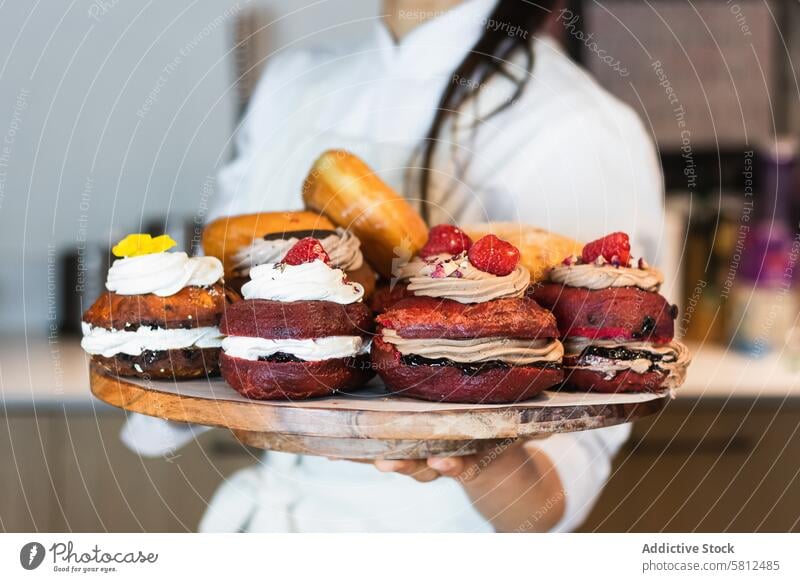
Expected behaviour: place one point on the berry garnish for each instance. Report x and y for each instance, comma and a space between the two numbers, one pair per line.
615, 248
493, 255
445, 239
306, 250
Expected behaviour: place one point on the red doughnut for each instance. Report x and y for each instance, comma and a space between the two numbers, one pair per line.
296, 319
427, 317
451, 384
385, 297
266, 380
625, 381
626, 313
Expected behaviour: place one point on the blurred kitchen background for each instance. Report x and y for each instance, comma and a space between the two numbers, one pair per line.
115, 116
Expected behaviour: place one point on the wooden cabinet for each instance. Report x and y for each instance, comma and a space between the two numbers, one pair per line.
707, 466
72, 473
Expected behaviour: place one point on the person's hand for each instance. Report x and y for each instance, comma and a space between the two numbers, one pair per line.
426, 470
463, 468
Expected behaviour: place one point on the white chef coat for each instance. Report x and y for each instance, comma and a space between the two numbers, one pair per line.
565, 156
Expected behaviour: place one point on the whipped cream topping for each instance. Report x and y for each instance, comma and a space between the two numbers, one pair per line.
594, 276
162, 274
454, 277
314, 281
343, 248
309, 350
467, 351
110, 342
675, 358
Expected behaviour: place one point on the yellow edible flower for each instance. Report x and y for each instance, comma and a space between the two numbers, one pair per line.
135, 245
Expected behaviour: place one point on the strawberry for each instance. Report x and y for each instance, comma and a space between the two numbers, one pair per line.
445, 239
615, 248
306, 250
495, 256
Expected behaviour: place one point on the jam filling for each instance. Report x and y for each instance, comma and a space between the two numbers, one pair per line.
359, 362
467, 368
620, 353
280, 358
150, 357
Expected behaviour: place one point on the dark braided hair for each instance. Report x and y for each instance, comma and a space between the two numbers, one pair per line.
509, 30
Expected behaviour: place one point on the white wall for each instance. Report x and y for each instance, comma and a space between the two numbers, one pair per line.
110, 116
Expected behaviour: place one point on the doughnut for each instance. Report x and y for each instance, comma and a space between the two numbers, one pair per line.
614, 313
296, 319
428, 317
344, 189
450, 382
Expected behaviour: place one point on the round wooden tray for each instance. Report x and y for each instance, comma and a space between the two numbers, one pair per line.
369, 423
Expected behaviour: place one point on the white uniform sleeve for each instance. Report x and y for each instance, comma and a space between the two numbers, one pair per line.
155, 437
600, 172
583, 463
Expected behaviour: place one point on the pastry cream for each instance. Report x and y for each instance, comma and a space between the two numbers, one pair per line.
518, 352
343, 248
110, 342
314, 281
162, 274
592, 276
454, 277
675, 358
310, 350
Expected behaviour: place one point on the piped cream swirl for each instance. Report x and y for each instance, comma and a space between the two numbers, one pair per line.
162, 274
314, 281
517, 352
343, 248
454, 277
591, 276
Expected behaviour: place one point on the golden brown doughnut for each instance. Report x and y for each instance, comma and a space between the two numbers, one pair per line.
226, 236
346, 190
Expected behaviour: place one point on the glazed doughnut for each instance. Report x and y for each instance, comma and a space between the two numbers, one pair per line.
344, 189
176, 364
189, 307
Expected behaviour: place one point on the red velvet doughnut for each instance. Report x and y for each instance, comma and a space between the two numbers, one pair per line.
451, 384
266, 380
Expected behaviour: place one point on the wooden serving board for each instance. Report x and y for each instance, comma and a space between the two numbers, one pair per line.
369, 423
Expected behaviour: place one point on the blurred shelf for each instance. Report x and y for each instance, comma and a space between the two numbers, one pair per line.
720, 372
35, 372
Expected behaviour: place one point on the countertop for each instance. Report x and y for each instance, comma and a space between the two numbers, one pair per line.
37, 373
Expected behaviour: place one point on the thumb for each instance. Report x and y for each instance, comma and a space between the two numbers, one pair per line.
456, 467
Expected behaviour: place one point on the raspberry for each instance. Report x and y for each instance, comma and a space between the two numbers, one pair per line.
615, 248
306, 250
445, 239
495, 256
